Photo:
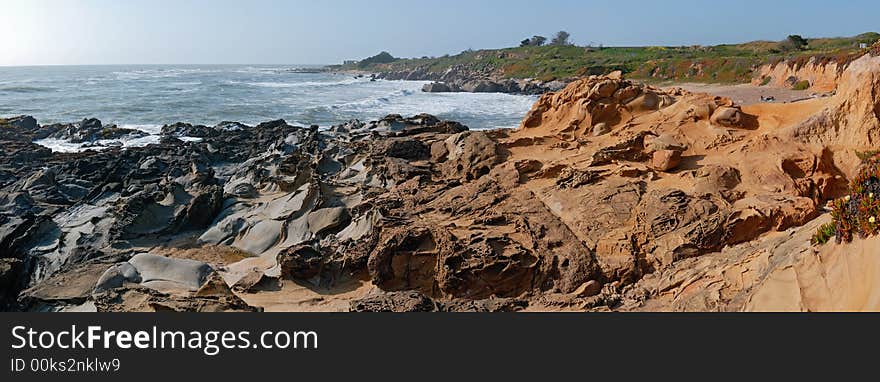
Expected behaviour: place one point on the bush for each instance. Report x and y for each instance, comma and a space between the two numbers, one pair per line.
381, 58
801, 85
823, 234
857, 214
793, 43
766, 81
561, 39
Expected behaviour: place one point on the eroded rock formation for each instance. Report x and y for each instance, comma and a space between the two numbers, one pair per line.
611, 195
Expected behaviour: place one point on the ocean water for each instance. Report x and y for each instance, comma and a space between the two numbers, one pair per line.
146, 97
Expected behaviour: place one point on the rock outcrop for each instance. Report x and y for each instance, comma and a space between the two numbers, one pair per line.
610, 195
472, 80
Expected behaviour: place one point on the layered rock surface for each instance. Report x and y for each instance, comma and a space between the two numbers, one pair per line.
610, 195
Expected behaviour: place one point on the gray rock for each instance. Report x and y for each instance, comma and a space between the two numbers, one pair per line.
164, 273
117, 276
244, 190
436, 87
327, 219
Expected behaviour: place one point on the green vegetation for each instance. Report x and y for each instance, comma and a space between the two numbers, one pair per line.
730, 63
857, 214
801, 85
793, 43
823, 234
866, 156
561, 39
381, 58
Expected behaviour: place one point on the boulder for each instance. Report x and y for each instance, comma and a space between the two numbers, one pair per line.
156, 272
588, 289
662, 142
603, 89
481, 86
437, 87
666, 160
24, 122
181, 129
91, 130
727, 116
470, 155
301, 262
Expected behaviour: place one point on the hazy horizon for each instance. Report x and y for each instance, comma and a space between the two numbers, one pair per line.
266, 32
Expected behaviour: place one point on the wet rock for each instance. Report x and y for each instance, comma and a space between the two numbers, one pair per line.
231, 125
92, 130
481, 86
436, 87
24, 122
181, 129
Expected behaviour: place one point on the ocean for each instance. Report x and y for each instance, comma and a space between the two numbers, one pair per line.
146, 97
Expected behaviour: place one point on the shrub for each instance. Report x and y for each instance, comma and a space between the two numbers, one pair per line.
801, 85
766, 81
381, 58
823, 234
867, 156
561, 39
857, 214
793, 43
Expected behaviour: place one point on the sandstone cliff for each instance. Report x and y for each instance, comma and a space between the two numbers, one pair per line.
822, 73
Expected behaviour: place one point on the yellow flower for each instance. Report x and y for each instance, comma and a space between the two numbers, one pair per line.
846, 198
872, 220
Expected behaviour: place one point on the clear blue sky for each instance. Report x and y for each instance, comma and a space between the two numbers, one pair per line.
38, 32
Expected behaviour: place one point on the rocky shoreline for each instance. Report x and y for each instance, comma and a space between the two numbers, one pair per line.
80, 230
459, 79
611, 195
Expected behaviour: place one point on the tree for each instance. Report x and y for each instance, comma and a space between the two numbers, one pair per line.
537, 40
792, 43
525, 42
381, 58
560, 39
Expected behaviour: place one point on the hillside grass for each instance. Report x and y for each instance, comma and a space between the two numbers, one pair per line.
729, 63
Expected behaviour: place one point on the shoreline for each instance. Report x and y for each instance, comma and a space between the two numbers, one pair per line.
570, 211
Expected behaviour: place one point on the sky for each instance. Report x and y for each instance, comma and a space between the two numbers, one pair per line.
79, 32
